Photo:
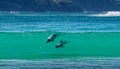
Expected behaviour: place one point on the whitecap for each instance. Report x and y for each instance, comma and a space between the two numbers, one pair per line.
108, 14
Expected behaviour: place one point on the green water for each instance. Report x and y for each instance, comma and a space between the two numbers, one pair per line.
32, 45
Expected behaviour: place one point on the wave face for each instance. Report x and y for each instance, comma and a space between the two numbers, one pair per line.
32, 45
60, 22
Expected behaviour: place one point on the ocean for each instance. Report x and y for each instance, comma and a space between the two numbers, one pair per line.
93, 40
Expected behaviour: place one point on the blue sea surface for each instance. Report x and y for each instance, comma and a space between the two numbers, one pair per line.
59, 22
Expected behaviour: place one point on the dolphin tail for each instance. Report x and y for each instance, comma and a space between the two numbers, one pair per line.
56, 46
65, 42
48, 41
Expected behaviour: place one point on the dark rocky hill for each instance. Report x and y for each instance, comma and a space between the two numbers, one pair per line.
59, 5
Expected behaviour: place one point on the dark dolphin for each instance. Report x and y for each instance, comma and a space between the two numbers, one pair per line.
51, 37
61, 44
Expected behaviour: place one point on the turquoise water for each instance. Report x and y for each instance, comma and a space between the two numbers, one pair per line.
33, 45
23, 39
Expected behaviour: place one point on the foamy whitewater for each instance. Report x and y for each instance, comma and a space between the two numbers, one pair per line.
78, 63
108, 14
93, 40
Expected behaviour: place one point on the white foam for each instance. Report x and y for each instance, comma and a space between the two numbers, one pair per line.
65, 63
109, 13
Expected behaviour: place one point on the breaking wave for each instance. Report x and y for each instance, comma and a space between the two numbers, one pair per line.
107, 14
80, 63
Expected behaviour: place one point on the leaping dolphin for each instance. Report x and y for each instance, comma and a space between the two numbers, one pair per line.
61, 44
51, 37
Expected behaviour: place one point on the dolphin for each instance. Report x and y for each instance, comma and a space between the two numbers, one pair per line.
61, 44
51, 37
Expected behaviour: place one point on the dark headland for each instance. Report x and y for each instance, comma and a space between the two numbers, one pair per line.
59, 5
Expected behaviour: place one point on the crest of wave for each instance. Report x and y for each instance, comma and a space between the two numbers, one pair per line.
109, 13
